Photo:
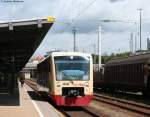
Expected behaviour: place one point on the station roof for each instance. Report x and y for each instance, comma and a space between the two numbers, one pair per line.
19, 40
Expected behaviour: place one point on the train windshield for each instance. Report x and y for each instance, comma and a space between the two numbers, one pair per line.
72, 67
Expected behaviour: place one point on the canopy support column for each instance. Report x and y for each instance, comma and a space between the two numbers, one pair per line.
12, 83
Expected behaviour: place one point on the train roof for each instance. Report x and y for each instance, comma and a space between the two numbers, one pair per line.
65, 54
69, 54
142, 58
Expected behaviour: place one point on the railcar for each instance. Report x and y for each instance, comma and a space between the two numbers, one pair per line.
67, 78
127, 74
98, 75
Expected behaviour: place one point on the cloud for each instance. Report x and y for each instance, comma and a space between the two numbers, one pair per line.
116, 0
86, 19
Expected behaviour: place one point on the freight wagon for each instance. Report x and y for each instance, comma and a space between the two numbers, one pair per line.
127, 74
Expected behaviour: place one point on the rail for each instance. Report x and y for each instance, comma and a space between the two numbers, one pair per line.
67, 111
124, 104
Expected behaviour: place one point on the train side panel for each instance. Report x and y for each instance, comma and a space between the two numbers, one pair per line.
44, 76
128, 76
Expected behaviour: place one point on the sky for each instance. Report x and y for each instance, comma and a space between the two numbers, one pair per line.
86, 16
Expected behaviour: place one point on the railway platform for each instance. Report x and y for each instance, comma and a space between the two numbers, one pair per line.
24, 103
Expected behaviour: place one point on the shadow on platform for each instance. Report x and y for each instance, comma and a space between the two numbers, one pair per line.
7, 99
35, 96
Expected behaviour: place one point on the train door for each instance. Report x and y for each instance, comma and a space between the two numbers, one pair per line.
146, 75
146, 91
3, 82
102, 72
148, 78
50, 76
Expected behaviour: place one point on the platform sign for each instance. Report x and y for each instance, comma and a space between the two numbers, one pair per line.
50, 19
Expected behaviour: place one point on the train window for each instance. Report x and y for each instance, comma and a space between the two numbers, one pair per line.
72, 68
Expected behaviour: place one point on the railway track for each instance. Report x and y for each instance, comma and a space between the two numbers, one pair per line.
81, 111
124, 104
141, 109
67, 111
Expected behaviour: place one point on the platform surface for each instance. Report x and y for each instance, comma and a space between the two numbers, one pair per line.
20, 104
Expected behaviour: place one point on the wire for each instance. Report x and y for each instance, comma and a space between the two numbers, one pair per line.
79, 14
123, 30
107, 37
101, 20
62, 7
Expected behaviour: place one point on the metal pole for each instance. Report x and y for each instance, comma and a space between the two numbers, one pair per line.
94, 47
140, 30
131, 42
135, 42
148, 44
74, 35
99, 48
12, 84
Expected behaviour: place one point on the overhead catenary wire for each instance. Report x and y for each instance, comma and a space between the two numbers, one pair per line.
62, 7
123, 30
79, 14
75, 19
107, 37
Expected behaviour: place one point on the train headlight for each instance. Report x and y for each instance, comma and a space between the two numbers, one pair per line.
73, 92
58, 84
86, 84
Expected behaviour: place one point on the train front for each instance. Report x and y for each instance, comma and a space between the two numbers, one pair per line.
73, 79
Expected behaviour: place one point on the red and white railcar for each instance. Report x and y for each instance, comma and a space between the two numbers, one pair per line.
67, 77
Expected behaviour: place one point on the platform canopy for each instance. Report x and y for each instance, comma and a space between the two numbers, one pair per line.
19, 40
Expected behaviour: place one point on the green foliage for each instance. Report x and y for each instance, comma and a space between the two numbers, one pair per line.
106, 57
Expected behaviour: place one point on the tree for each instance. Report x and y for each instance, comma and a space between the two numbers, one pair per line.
106, 57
